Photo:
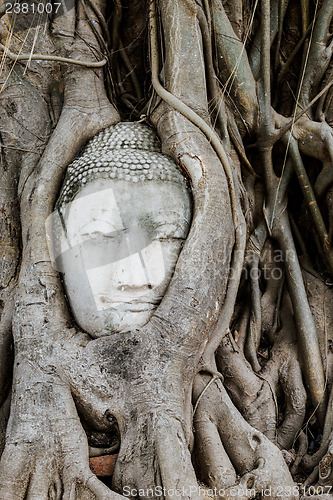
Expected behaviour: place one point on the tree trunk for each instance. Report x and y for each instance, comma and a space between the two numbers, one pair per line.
227, 390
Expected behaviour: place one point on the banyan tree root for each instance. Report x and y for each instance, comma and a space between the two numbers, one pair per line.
255, 394
312, 461
326, 466
46, 451
63, 364
243, 453
143, 380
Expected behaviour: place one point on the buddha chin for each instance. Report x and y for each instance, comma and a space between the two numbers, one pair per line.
122, 317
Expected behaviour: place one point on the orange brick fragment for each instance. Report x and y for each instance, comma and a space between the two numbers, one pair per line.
104, 465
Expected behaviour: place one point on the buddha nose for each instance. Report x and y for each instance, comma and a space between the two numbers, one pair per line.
133, 274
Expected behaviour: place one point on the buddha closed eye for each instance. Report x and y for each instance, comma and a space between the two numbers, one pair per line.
123, 232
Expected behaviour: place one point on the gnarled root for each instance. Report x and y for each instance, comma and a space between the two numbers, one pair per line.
51, 460
239, 448
326, 466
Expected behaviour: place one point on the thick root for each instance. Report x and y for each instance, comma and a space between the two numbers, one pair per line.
258, 461
46, 451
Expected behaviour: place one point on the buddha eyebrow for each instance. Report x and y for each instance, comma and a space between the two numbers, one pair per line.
168, 213
177, 221
175, 224
91, 222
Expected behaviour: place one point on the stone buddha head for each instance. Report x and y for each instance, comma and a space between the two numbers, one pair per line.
122, 216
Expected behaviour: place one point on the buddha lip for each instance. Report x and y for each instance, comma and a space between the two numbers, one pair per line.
140, 310
134, 301
138, 306
131, 306
143, 300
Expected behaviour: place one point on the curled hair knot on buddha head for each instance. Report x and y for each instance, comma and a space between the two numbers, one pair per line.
126, 151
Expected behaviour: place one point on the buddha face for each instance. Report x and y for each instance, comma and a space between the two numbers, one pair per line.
122, 243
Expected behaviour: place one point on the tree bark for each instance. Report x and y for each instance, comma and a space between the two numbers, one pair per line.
228, 387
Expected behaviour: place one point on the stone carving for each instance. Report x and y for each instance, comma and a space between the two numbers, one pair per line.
122, 216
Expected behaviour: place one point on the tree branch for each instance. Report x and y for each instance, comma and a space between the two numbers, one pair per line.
42, 57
